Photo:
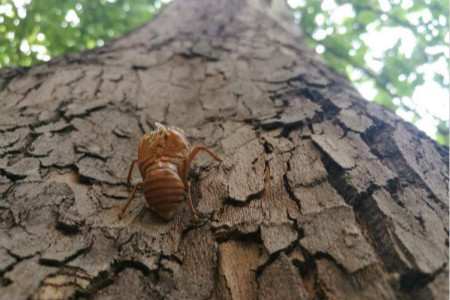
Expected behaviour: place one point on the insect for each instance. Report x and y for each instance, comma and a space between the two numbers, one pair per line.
164, 159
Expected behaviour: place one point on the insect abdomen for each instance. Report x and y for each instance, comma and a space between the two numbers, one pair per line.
163, 188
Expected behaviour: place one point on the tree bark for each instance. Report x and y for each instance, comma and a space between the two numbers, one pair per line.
320, 195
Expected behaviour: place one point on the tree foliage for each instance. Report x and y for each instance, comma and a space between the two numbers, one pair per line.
341, 32
36, 30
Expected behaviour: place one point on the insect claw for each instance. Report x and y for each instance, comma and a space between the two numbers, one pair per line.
162, 128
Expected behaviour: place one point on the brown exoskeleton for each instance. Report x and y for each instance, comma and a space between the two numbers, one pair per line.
164, 159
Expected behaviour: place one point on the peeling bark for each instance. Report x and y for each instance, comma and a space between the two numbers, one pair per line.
320, 195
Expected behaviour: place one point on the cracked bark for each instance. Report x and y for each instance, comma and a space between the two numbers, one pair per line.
320, 195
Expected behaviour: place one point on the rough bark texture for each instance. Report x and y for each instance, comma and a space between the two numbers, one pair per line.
320, 195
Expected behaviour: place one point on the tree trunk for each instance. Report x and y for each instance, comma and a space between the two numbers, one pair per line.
320, 195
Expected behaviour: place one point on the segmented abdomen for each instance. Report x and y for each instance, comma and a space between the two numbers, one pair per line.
163, 188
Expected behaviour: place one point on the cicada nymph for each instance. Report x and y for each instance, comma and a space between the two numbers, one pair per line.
164, 159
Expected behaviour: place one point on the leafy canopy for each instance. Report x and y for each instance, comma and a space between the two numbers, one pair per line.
388, 48
36, 30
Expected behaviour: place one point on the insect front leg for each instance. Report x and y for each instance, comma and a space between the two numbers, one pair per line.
140, 184
191, 205
131, 170
187, 186
195, 151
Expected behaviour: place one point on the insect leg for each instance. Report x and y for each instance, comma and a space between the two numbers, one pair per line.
191, 205
131, 170
140, 184
197, 149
